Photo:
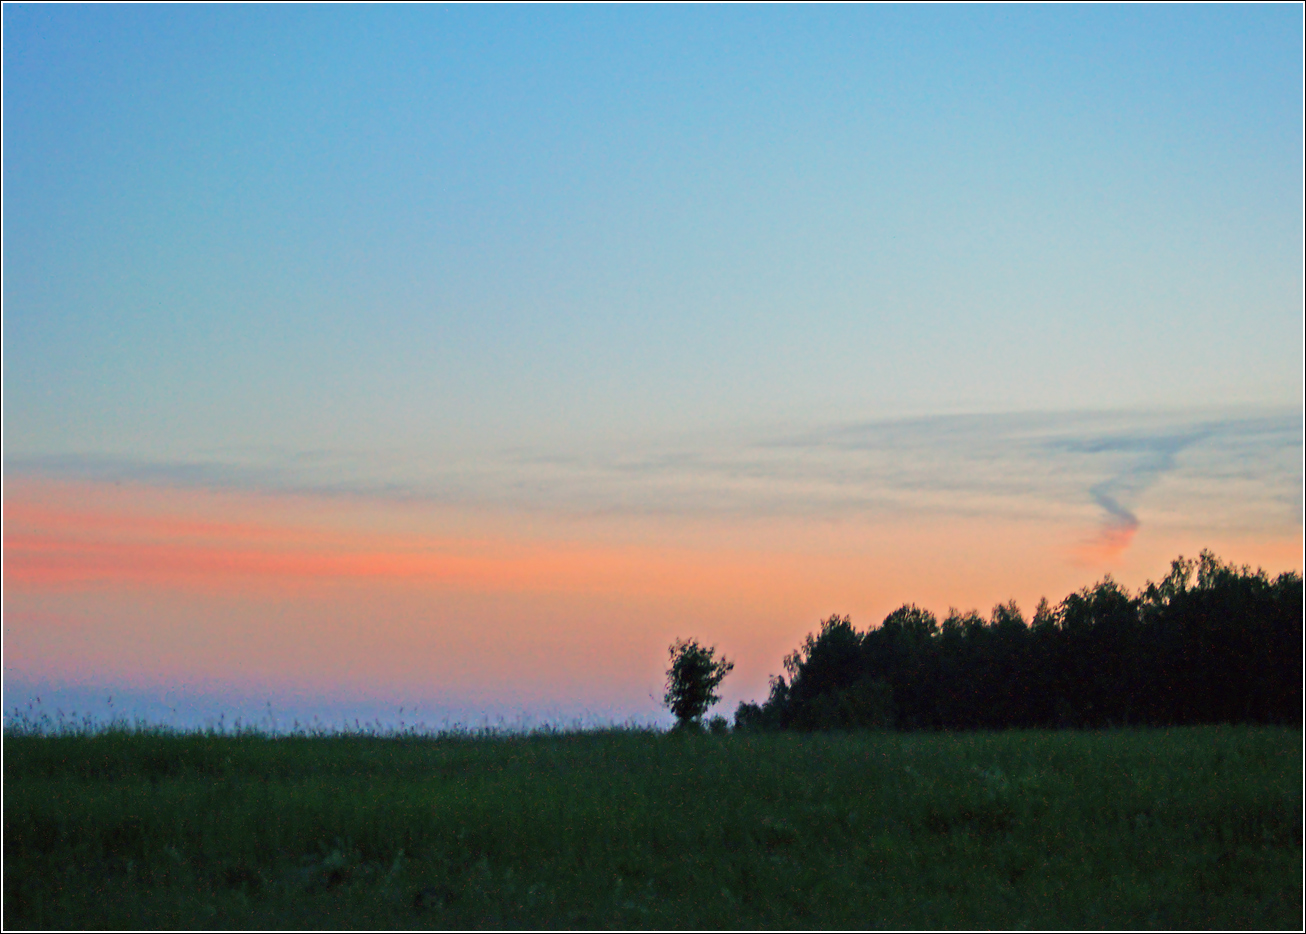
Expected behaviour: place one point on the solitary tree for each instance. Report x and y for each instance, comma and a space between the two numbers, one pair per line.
692, 680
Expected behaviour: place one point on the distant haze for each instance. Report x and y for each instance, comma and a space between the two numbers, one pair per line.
457, 359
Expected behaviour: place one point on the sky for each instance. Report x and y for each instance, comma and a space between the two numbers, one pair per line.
444, 364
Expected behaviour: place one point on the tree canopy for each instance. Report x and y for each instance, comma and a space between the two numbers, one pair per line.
1209, 643
693, 678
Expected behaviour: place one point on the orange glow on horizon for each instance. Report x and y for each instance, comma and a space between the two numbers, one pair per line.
61, 535
52, 548
192, 586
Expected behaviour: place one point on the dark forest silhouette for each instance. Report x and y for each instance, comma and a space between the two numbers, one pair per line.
1211, 643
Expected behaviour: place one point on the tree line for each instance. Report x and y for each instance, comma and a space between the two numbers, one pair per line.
1211, 643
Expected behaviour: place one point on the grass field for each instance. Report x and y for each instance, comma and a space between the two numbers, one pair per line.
1189, 828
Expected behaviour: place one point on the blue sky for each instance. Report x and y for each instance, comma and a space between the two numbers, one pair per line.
330, 226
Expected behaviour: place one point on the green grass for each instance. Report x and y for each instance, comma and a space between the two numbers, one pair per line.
1184, 828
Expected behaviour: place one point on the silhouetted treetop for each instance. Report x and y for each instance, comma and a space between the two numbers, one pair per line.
1209, 642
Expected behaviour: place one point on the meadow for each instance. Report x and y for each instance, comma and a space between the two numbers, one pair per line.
1195, 827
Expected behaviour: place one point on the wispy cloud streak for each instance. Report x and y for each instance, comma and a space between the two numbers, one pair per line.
1109, 470
1146, 458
